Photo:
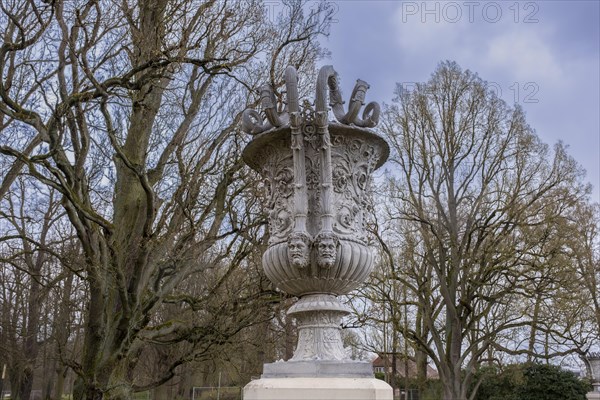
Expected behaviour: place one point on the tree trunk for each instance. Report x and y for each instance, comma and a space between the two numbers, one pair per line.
59, 385
30, 347
421, 364
25, 384
61, 329
534, 322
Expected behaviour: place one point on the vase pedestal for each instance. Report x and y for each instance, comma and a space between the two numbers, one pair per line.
318, 389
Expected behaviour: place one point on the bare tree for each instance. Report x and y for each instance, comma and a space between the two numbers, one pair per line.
128, 110
576, 305
27, 239
585, 247
473, 182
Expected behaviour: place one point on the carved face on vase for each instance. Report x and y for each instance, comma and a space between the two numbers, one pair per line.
298, 249
326, 244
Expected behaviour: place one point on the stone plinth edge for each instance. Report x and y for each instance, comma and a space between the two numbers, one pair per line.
319, 302
593, 396
318, 389
317, 368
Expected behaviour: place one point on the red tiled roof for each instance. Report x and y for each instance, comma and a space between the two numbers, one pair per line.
401, 367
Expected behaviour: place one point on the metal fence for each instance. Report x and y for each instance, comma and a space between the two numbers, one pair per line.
410, 394
217, 393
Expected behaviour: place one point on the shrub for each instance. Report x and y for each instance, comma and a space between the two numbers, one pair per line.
530, 382
549, 382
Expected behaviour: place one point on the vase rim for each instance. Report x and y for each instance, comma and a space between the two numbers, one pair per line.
335, 129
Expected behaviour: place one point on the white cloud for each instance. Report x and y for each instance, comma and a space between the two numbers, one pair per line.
525, 54
501, 51
422, 33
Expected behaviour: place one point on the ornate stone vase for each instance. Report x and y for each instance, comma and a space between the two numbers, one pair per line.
594, 362
317, 175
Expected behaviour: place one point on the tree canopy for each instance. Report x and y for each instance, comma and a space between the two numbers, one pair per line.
118, 124
472, 230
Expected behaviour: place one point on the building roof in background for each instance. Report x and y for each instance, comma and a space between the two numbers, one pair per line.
402, 364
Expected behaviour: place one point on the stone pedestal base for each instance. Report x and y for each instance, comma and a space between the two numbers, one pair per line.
318, 389
593, 396
319, 319
318, 369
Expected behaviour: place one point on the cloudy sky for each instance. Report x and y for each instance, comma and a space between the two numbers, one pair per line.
543, 55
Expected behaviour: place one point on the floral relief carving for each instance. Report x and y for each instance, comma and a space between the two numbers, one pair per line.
283, 182
280, 221
353, 159
311, 137
340, 179
278, 189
